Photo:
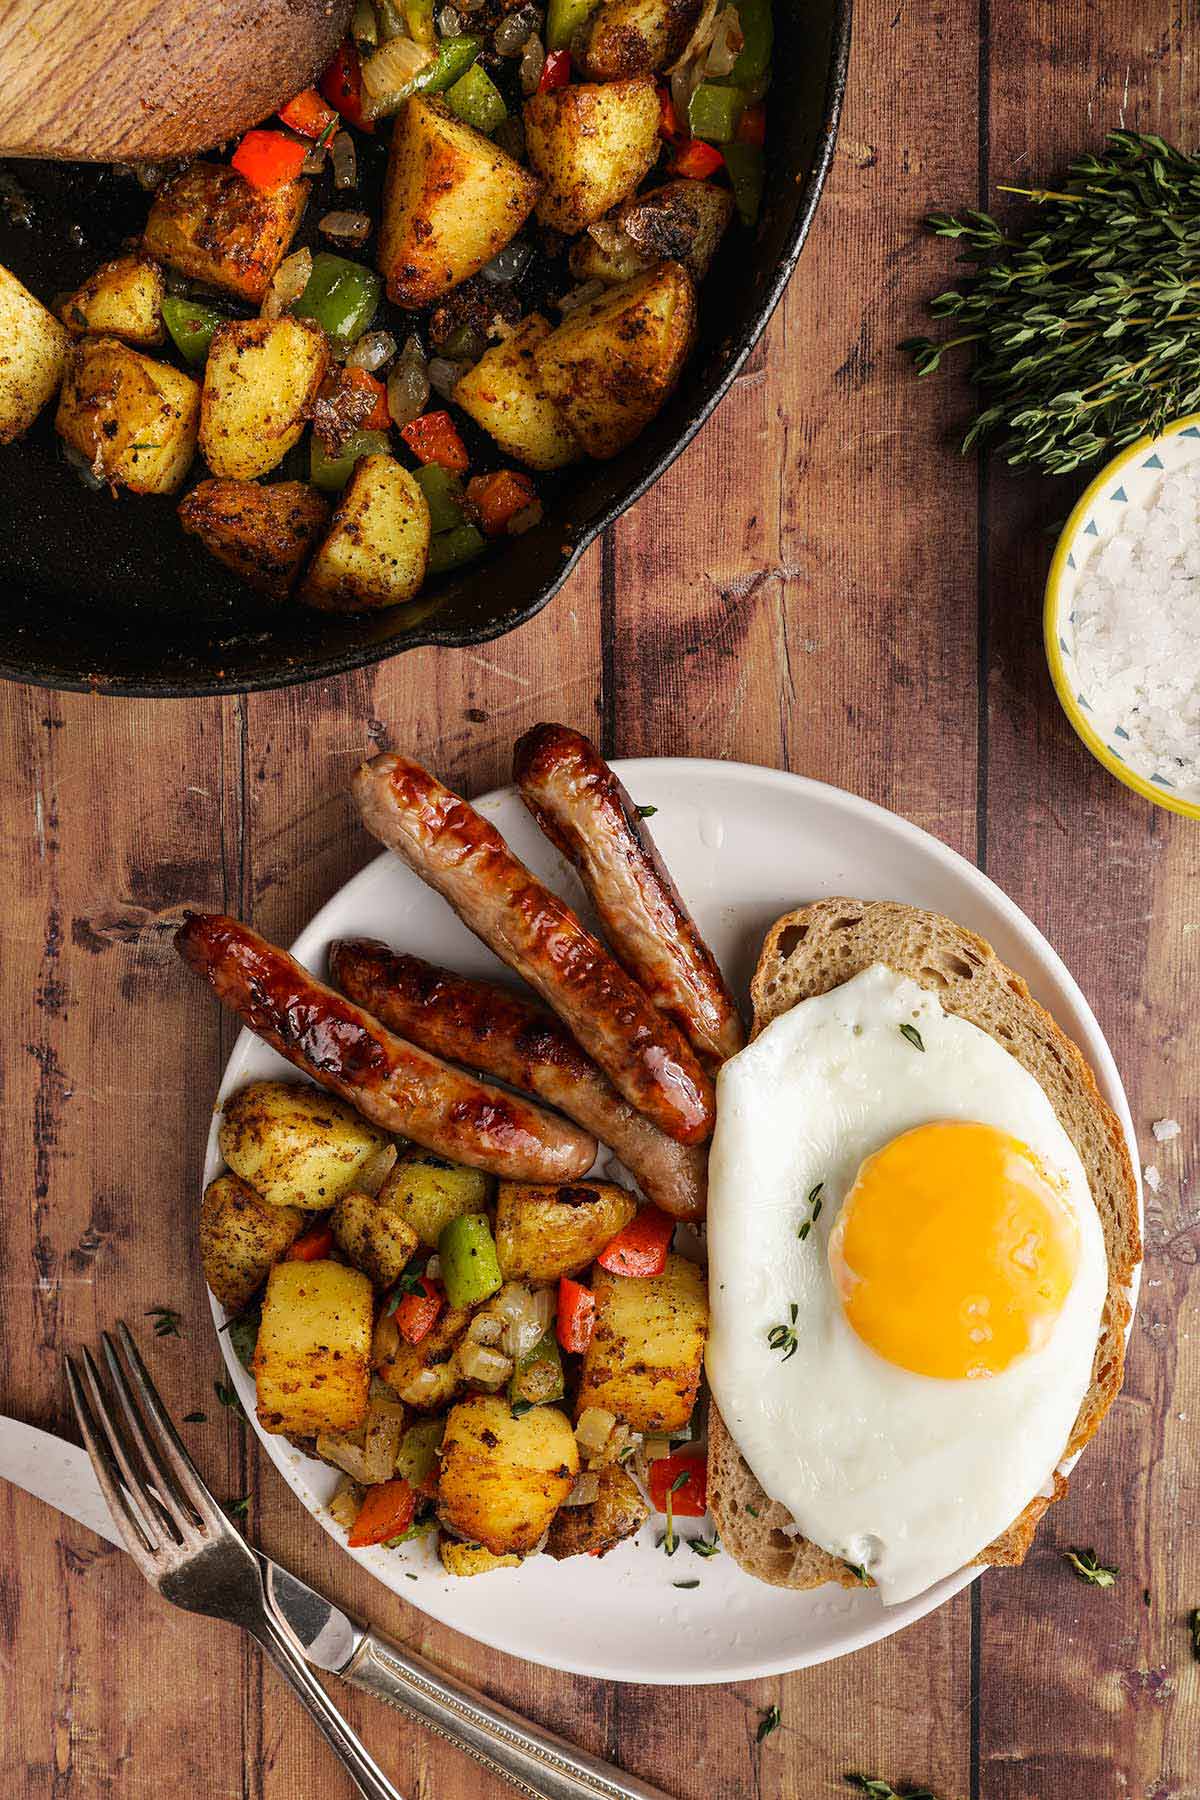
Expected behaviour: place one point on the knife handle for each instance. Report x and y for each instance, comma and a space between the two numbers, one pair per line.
541, 1765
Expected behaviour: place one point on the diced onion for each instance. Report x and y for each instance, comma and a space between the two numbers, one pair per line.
433, 1268
533, 61
594, 1429
287, 284
314, 162
586, 1489
347, 1499
479, 1363
449, 23
654, 1449
701, 38
444, 375
514, 32
485, 1329
346, 227
508, 264
526, 1317
83, 468
393, 66
426, 1381
371, 351
579, 296
345, 160
408, 387
727, 42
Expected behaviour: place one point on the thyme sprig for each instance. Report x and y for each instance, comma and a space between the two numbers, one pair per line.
1080, 317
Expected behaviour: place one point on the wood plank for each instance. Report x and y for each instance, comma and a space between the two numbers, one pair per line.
801, 595
1084, 1690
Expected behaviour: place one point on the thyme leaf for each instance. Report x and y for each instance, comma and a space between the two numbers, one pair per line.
913, 1035
769, 1721
1088, 1569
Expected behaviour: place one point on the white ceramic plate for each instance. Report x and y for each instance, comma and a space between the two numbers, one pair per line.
745, 845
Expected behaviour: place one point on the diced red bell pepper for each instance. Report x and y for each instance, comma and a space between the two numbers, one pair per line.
752, 126
308, 114
697, 160
556, 71
641, 1249
433, 439
668, 119
417, 1314
312, 1246
386, 1512
499, 497
690, 1499
268, 159
341, 85
379, 418
576, 1315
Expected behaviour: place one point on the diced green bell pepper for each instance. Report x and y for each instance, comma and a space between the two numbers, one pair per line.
564, 19
451, 549
418, 1450
745, 165
758, 33
443, 493
454, 57
477, 100
340, 295
538, 1377
191, 325
419, 15
467, 1253
713, 112
331, 473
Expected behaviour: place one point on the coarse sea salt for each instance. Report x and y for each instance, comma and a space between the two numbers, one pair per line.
1137, 631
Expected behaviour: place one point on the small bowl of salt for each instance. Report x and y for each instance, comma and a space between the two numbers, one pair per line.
1122, 618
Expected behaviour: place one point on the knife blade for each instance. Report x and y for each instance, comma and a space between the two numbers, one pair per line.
61, 1474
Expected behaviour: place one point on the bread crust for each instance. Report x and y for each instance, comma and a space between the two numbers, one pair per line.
818, 947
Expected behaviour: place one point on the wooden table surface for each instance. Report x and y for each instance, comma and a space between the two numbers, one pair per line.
821, 584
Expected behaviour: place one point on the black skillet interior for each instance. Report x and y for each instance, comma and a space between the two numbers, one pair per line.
109, 595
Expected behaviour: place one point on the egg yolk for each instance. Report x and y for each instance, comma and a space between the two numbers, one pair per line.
954, 1250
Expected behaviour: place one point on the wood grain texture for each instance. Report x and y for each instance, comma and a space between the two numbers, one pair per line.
820, 583
135, 80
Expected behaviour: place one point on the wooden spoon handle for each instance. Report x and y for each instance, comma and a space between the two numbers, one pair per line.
145, 80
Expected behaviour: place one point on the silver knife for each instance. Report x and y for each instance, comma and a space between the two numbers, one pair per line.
541, 1765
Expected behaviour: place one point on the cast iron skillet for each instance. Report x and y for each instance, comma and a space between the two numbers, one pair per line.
110, 596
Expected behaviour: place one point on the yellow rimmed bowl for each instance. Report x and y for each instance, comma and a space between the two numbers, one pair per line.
1128, 481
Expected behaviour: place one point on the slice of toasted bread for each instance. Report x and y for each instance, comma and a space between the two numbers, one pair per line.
817, 948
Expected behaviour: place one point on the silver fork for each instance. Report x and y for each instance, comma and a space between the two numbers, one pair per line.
181, 1540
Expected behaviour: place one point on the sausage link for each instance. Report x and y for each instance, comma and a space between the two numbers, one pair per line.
446, 843
501, 1033
395, 1085
587, 815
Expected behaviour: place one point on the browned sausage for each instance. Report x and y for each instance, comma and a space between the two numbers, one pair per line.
446, 843
586, 813
395, 1085
490, 1028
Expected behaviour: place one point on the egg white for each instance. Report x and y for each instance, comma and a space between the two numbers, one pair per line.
907, 1475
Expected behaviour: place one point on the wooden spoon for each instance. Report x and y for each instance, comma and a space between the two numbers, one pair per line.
145, 80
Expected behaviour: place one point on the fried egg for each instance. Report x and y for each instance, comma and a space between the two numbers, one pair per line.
907, 1273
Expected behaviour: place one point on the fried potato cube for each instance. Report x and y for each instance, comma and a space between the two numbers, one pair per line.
378, 544
643, 1362
262, 533
298, 1146
636, 37
504, 393
260, 381
425, 1375
617, 1512
33, 353
211, 223
134, 419
374, 1236
241, 1238
123, 299
312, 1362
612, 362
427, 1192
472, 1559
682, 220
503, 1479
545, 1232
591, 143
452, 200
